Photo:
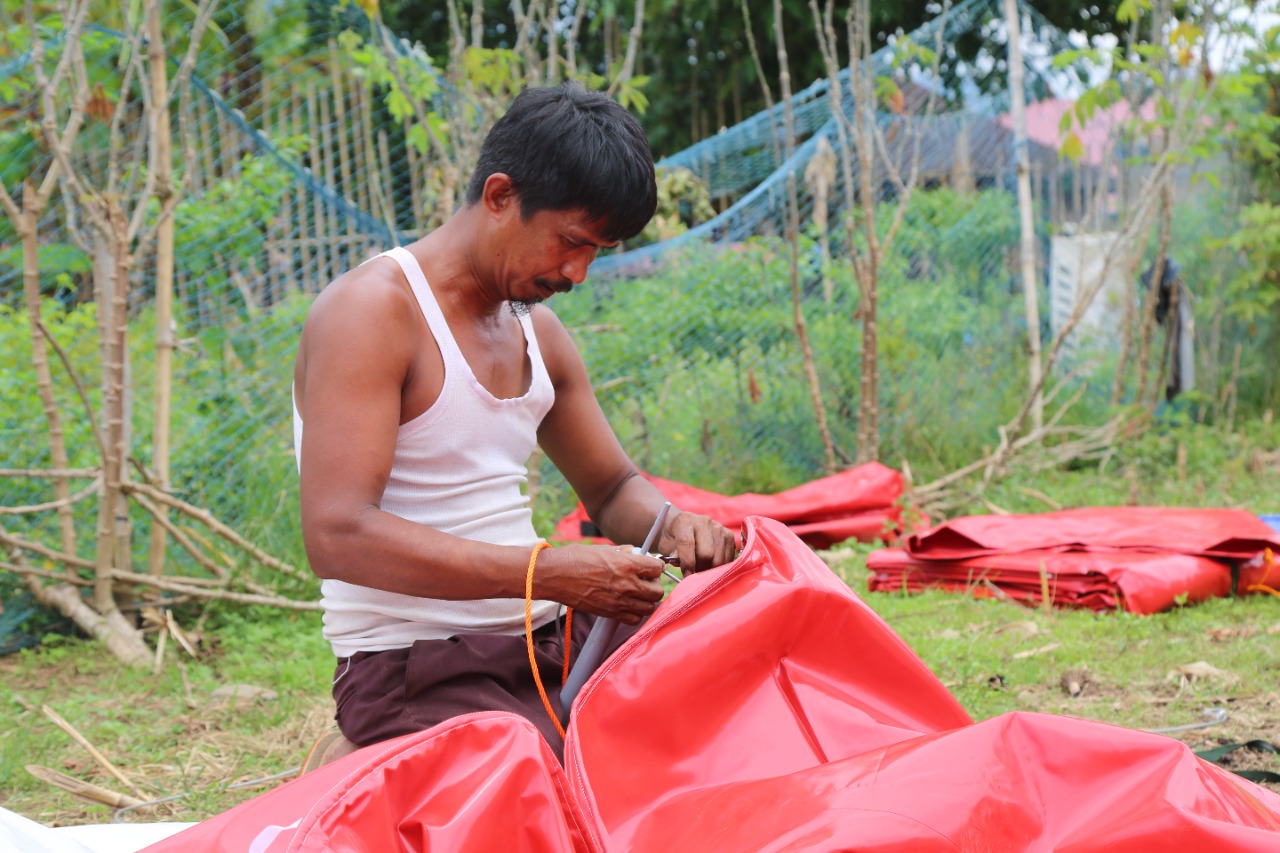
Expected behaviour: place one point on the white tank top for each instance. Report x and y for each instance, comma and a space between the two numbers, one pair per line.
459, 468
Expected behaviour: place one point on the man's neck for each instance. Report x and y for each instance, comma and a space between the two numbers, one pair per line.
452, 259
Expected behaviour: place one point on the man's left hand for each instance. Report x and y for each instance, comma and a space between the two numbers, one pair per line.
700, 542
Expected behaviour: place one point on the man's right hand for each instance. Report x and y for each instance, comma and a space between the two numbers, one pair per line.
605, 580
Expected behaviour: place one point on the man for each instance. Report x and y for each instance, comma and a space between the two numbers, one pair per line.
424, 378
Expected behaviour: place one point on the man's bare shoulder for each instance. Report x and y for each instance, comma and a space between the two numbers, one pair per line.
560, 352
554, 340
368, 317
375, 290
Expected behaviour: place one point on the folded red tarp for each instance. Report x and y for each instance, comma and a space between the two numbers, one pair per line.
860, 503
1230, 534
764, 707
1140, 559
1138, 582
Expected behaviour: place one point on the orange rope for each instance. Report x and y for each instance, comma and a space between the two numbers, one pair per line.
1257, 587
528, 634
568, 639
1269, 561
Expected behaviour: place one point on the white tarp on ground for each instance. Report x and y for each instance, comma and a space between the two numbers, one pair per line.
20, 835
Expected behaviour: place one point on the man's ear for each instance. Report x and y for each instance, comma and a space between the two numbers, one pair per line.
499, 195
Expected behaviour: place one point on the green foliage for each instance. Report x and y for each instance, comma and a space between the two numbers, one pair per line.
18, 151
229, 221
1254, 292
58, 262
279, 29
415, 79
683, 201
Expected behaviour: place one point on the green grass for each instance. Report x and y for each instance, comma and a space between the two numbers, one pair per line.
976, 648
166, 731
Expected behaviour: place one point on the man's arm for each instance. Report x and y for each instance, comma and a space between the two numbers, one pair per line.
355, 358
577, 437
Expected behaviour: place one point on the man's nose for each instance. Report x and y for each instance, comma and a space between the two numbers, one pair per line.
575, 269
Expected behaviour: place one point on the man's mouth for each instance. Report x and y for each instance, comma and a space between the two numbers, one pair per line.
553, 286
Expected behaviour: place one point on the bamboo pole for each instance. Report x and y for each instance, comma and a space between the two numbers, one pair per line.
364, 148
1030, 289
415, 185
385, 185
302, 223
284, 223
271, 283
51, 473
210, 175
341, 128
327, 170
342, 132
306, 200
319, 216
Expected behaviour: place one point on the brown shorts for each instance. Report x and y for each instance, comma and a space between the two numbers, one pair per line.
382, 695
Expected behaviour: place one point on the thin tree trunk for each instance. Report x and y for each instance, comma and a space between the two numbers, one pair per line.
113, 546
633, 42
866, 267
1030, 286
27, 224
162, 166
793, 249
477, 23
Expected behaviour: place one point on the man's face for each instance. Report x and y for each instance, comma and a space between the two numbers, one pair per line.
549, 252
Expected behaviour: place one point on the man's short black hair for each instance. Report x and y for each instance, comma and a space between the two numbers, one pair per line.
565, 148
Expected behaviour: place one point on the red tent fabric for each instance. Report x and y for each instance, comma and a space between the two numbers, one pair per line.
860, 503
764, 707
1014, 783
478, 782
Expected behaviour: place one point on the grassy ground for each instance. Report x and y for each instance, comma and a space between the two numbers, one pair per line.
172, 735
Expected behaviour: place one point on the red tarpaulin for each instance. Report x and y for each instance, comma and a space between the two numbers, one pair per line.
1140, 559
1136, 582
764, 707
860, 503
1230, 534
476, 783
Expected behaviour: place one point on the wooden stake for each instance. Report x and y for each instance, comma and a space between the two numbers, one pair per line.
85, 790
178, 634
90, 748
